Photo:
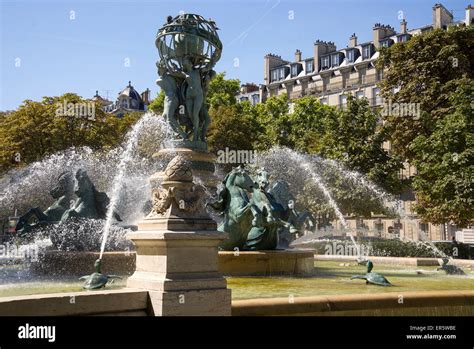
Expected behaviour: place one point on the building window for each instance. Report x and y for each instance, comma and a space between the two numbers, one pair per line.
424, 227
325, 62
343, 101
335, 60
376, 96
379, 74
360, 94
403, 38
350, 56
282, 73
324, 101
274, 75
366, 52
255, 99
294, 70
309, 66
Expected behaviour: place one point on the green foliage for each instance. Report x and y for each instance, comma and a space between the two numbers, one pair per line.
222, 91
444, 160
158, 103
427, 69
354, 138
37, 129
398, 248
273, 116
436, 71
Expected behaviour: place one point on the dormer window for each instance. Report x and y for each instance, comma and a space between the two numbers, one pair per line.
403, 38
255, 99
295, 70
366, 52
335, 60
350, 56
309, 66
282, 73
386, 43
274, 75
325, 62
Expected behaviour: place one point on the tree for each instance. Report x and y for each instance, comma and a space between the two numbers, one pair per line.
444, 182
232, 129
158, 103
222, 91
38, 129
426, 71
353, 138
274, 121
434, 71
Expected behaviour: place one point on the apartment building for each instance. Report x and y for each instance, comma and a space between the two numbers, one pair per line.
331, 74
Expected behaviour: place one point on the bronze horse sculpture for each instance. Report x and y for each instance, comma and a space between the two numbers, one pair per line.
251, 216
266, 235
238, 212
90, 203
63, 193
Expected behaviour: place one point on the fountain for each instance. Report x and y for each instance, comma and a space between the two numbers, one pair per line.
181, 261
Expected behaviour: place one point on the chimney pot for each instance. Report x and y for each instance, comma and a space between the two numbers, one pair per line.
353, 40
298, 56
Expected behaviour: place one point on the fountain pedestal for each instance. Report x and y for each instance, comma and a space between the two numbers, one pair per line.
202, 162
176, 250
180, 272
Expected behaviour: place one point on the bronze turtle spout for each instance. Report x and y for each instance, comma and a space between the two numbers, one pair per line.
97, 280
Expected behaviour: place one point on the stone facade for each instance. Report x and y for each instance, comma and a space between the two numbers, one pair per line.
332, 74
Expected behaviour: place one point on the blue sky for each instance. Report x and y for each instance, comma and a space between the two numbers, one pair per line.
47, 50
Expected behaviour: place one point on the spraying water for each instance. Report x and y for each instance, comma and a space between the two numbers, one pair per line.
131, 145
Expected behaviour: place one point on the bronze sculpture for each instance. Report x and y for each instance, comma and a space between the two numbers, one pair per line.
189, 47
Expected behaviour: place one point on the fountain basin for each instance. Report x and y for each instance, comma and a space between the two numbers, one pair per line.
132, 302
60, 263
267, 263
428, 303
409, 261
246, 263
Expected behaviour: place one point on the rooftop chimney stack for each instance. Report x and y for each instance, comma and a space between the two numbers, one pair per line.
353, 40
469, 15
380, 32
403, 26
271, 61
441, 17
298, 56
321, 48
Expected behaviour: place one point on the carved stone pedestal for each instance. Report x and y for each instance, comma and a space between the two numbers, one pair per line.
201, 161
176, 250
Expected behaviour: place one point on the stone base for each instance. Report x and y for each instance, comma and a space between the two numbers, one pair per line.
267, 263
63, 263
190, 303
179, 269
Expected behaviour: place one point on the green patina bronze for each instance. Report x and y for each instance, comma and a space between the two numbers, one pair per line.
451, 269
90, 203
97, 280
189, 47
373, 278
63, 193
251, 216
239, 215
